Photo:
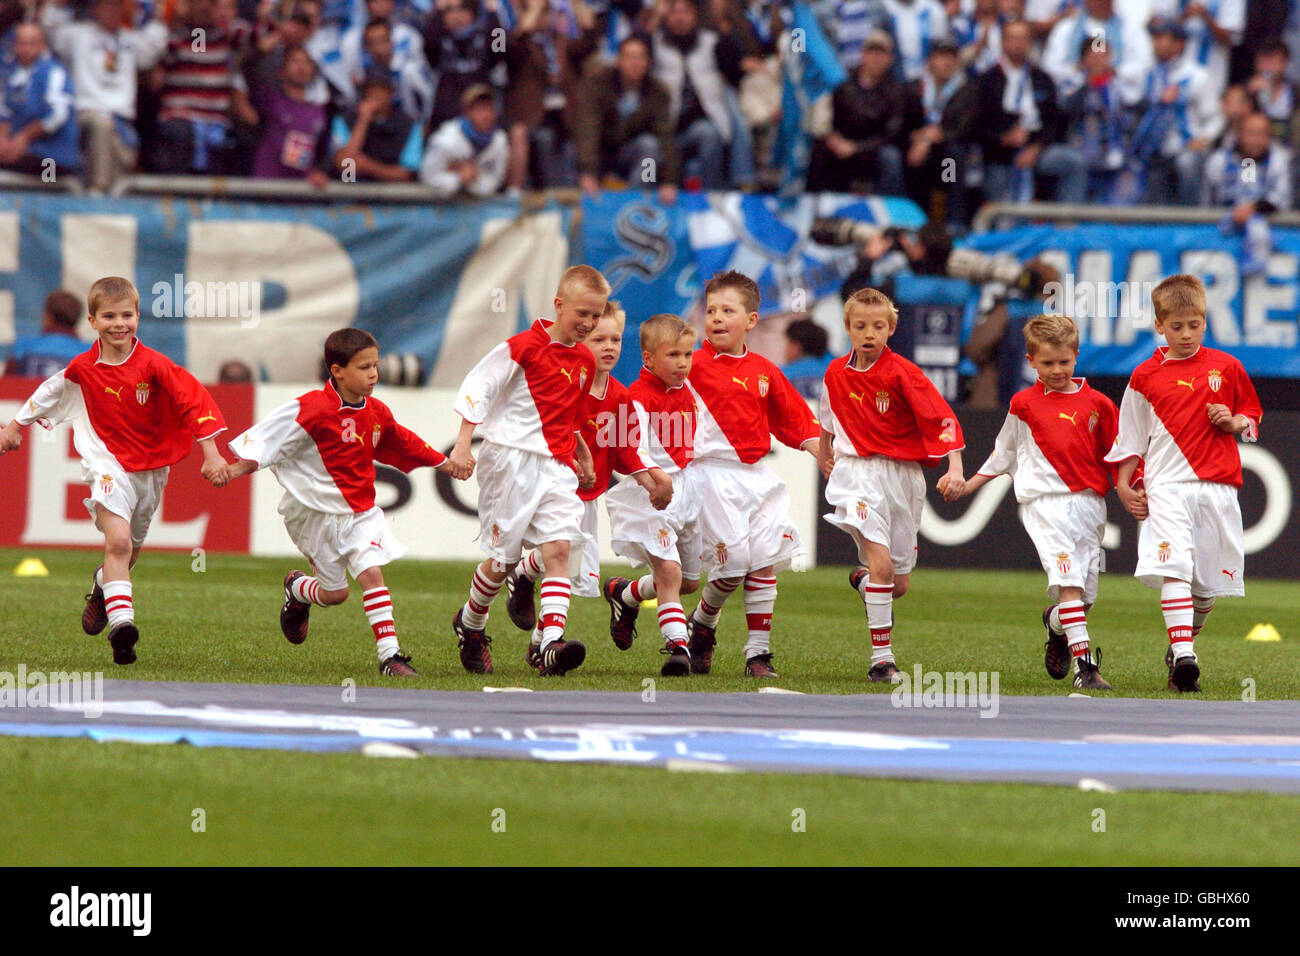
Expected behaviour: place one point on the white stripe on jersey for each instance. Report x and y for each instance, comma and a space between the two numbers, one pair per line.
1016, 453
58, 400
1144, 435
278, 442
495, 396
711, 441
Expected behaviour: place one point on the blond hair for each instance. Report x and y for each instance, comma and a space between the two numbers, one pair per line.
614, 310
661, 328
111, 289
577, 279
1056, 330
1179, 294
871, 297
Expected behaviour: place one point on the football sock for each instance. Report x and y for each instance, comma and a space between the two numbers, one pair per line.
306, 591
553, 608
672, 623
482, 592
879, 599
1201, 608
379, 612
760, 599
1074, 622
117, 602
531, 567
1054, 620
642, 589
1176, 605
715, 595
99, 577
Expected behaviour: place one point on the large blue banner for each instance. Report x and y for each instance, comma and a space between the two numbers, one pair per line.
1108, 272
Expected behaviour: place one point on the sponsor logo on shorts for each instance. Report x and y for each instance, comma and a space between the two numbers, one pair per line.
376, 544
496, 534
142, 392
664, 537
1063, 562
882, 401
1215, 377
720, 552
106, 484
862, 510
762, 386
1163, 551
1232, 575
1092, 422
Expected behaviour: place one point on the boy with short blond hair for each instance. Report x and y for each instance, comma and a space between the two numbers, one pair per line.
665, 540
1054, 443
881, 420
134, 413
1179, 419
322, 448
745, 526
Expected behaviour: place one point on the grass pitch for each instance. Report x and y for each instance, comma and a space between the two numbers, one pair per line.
74, 802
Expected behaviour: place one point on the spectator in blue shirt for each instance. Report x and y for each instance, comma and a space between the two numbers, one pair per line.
40, 356
376, 141
806, 357
36, 119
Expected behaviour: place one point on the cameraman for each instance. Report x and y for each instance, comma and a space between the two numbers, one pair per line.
893, 252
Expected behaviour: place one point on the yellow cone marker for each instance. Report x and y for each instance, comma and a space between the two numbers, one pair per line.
31, 568
650, 602
1263, 632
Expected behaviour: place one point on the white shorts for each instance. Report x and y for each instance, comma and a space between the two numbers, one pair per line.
879, 500
526, 500
587, 581
638, 532
133, 496
1067, 530
339, 545
744, 518
1193, 533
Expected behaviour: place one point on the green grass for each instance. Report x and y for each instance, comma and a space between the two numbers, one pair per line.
77, 803
222, 625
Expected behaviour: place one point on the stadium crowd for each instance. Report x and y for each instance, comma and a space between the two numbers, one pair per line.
1098, 101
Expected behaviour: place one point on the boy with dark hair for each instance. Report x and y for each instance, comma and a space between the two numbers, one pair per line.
322, 448
40, 356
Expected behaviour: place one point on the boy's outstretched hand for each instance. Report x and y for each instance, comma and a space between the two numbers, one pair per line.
952, 485
452, 470
216, 472
11, 438
461, 462
1134, 500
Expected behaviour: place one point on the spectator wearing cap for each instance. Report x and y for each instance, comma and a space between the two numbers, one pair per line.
1179, 119
1275, 94
697, 67
915, 24
1213, 27
459, 47
979, 36
931, 141
470, 154
294, 142
623, 125
869, 128
376, 141
848, 23
1099, 125
1020, 128
806, 357
1124, 35
40, 356
36, 121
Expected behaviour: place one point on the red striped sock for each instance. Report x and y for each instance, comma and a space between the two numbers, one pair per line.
531, 567
672, 623
482, 591
712, 598
1074, 622
1201, 608
118, 603
553, 608
879, 599
642, 589
306, 591
760, 602
1176, 606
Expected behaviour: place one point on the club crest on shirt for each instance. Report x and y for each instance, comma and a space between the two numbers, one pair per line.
664, 538
1063, 562
1215, 377
142, 392
106, 484
582, 378
374, 436
1163, 551
862, 510
496, 534
762, 386
882, 401
720, 552
1092, 422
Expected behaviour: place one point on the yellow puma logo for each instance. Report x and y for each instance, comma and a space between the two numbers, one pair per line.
567, 374
1189, 383
209, 417
115, 392
471, 401
742, 382
1068, 418
856, 397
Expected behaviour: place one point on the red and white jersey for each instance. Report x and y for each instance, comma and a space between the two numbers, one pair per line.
665, 421
605, 429
323, 450
1163, 419
890, 409
743, 401
527, 393
1056, 442
142, 413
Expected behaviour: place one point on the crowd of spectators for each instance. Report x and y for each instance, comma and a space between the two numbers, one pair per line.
951, 103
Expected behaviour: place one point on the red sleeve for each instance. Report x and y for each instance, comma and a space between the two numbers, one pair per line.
404, 449
1107, 430
937, 426
788, 414
195, 409
1246, 402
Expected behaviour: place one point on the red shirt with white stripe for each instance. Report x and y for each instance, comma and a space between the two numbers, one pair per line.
665, 421
143, 412
323, 450
1055, 442
890, 409
743, 401
605, 430
527, 393
1163, 418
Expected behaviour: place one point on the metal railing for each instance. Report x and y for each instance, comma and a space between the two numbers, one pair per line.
1120, 215
23, 181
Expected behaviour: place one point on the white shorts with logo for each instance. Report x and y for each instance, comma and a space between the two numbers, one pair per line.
587, 582
744, 518
638, 532
1193, 532
339, 545
1067, 529
878, 500
524, 501
133, 496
